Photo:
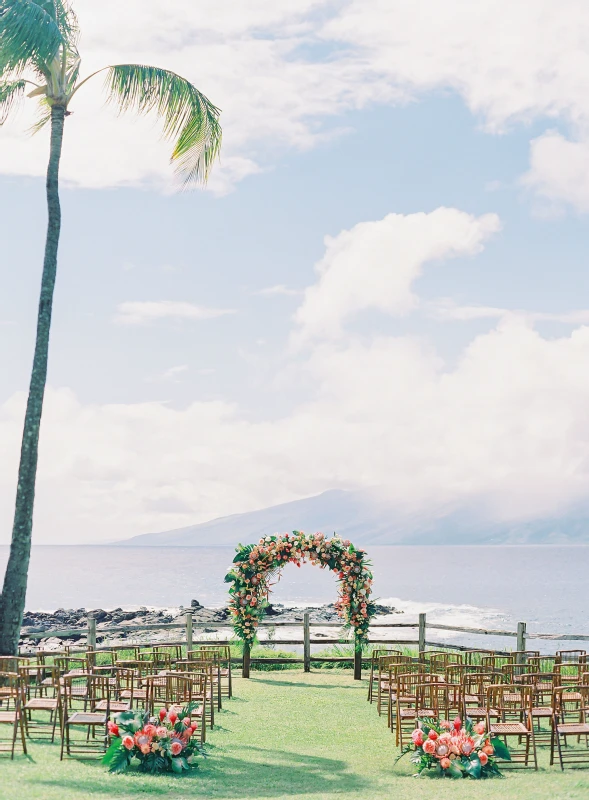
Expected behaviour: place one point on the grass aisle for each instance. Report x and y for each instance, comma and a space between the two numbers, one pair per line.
284, 735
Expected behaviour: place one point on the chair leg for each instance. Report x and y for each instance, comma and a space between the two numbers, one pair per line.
22, 735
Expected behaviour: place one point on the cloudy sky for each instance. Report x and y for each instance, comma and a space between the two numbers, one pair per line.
385, 283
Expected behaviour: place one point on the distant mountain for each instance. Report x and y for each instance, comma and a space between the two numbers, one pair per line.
364, 520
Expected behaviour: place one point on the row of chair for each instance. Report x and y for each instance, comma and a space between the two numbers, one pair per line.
84, 690
512, 693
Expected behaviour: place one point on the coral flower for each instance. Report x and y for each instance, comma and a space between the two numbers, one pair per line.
186, 722
457, 724
480, 728
176, 748
488, 749
162, 732
445, 763
417, 737
149, 730
172, 716
429, 747
112, 728
432, 735
145, 748
128, 742
163, 713
445, 724
483, 758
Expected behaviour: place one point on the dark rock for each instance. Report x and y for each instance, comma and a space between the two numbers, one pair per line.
99, 614
195, 604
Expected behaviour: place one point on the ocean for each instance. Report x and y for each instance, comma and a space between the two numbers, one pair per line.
478, 586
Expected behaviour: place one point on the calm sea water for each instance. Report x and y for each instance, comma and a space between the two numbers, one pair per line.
473, 586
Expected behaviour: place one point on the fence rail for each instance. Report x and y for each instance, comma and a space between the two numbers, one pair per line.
190, 627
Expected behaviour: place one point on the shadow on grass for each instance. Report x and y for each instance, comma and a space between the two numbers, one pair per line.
314, 686
280, 773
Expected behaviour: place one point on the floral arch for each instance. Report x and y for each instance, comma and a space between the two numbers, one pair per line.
256, 564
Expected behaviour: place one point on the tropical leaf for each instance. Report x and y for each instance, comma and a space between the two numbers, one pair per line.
10, 94
114, 748
455, 769
501, 750
120, 760
30, 36
189, 117
472, 766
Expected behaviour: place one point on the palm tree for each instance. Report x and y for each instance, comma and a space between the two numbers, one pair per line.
39, 51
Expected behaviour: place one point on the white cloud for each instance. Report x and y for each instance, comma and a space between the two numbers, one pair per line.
510, 62
446, 309
280, 289
172, 373
143, 313
374, 265
559, 171
506, 427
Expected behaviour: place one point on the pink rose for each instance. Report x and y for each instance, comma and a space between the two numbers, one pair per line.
445, 724
445, 763
483, 758
429, 747
432, 735
162, 732
480, 728
417, 737
176, 748
128, 742
112, 728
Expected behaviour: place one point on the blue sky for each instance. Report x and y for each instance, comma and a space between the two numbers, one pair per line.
142, 393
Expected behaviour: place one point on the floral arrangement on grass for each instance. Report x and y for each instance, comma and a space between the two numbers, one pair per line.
256, 564
159, 744
454, 750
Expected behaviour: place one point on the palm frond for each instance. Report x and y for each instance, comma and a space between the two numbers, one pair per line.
189, 117
10, 94
29, 36
44, 117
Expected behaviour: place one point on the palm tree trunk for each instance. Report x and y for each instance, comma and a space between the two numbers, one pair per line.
12, 600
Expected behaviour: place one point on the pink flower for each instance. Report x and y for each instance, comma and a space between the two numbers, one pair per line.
429, 747
445, 724
467, 746
112, 728
432, 735
172, 716
149, 730
145, 748
445, 763
163, 713
483, 758
480, 728
162, 732
128, 742
417, 737
442, 749
186, 722
176, 748
457, 724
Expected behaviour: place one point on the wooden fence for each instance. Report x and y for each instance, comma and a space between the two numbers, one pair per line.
188, 627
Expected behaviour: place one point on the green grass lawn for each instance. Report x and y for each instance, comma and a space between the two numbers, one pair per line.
285, 734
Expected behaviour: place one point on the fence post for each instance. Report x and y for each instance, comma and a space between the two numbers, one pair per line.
306, 642
422, 627
357, 660
521, 637
245, 671
188, 632
91, 638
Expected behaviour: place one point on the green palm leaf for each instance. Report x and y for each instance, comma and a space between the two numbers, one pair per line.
189, 117
29, 36
10, 94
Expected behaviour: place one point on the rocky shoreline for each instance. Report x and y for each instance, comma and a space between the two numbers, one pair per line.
37, 622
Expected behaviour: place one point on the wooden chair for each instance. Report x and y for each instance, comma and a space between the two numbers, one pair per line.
194, 668
568, 673
377, 653
171, 689
523, 656
511, 709
438, 662
496, 662
395, 667
474, 693
94, 689
406, 700
570, 701
474, 657
11, 712
385, 687
214, 657
571, 656
46, 699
